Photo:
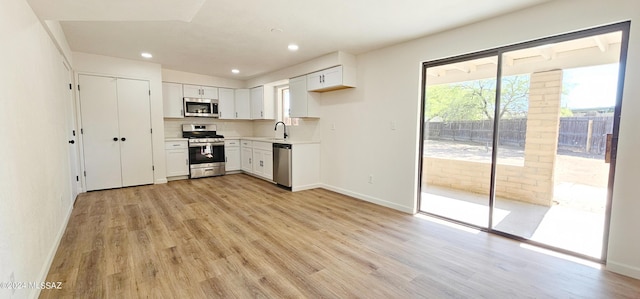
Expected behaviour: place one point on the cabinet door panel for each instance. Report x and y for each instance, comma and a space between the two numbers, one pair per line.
226, 104
134, 114
267, 158
177, 162
247, 158
243, 104
209, 92
191, 91
99, 109
232, 159
313, 81
332, 77
298, 97
172, 100
257, 103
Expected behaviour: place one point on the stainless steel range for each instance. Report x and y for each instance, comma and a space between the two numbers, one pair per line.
206, 150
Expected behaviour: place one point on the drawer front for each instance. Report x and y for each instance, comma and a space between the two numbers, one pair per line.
176, 144
263, 145
246, 143
231, 142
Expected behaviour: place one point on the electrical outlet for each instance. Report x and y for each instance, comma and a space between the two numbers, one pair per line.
371, 179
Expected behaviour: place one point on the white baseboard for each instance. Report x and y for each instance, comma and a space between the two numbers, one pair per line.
378, 201
161, 181
623, 269
35, 293
305, 187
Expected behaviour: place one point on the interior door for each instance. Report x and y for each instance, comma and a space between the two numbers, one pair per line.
134, 114
99, 106
74, 169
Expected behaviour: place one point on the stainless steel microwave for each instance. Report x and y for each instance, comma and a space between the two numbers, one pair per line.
200, 107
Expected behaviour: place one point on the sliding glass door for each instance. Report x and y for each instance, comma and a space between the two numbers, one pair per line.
458, 132
521, 140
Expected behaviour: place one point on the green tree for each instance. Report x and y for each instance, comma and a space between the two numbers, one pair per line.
475, 100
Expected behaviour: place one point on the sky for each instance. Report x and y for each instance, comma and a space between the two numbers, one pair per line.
589, 87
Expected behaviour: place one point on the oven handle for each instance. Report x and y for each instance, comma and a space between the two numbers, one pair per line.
199, 144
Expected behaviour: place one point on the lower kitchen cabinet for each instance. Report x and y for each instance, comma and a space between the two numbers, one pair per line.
263, 163
232, 155
177, 153
246, 155
257, 158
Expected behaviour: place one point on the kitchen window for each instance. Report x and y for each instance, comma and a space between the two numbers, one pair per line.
284, 104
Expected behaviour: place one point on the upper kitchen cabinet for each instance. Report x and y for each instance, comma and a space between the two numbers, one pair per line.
172, 100
226, 104
243, 103
302, 103
334, 78
262, 103
200, 92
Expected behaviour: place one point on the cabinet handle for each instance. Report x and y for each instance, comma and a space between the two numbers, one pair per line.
249, 160
226, 159
115, 138
123, 139
186, 161
261, 114
236, 114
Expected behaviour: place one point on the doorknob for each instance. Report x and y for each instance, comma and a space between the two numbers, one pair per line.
123, 139
115, 138
72, 141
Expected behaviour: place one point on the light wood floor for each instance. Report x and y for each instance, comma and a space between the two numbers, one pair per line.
237, 236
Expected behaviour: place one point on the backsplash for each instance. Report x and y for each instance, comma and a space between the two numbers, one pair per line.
228, 128
307, 129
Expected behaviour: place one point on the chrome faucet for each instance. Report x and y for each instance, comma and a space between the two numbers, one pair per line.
285, 128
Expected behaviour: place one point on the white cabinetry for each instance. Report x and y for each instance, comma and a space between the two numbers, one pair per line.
243, 104
116, 126
302, 102
226, 104
232, 154
172, 100
263, 159
305, 166
246, 155
200, 92
330, 79
262, 103
257, 158
177, 153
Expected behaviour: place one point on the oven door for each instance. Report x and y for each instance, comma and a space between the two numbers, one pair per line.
200, 107
206, 152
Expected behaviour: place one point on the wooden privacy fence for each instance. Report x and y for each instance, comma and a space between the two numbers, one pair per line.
580, 134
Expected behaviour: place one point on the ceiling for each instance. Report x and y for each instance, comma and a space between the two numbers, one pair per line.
212, 37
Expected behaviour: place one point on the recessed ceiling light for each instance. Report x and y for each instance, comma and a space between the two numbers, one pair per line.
235, 71
146, 55
293, 47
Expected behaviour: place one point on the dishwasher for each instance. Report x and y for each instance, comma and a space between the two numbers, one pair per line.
282, 164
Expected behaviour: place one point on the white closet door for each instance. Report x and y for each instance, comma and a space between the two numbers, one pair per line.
134, 111
99, 107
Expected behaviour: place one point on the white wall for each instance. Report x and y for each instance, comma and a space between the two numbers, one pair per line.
198, 79
35, 184
363, 144
103, 65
